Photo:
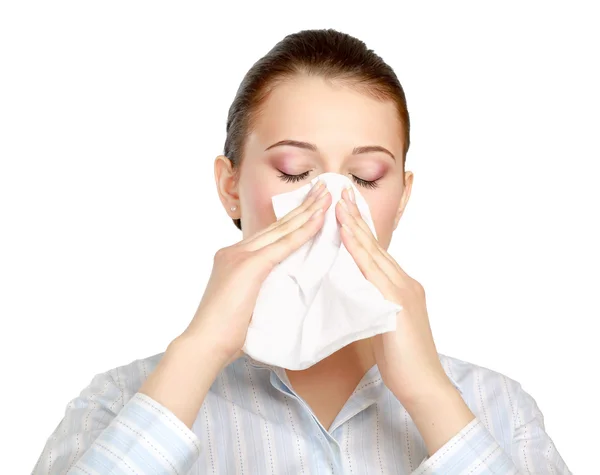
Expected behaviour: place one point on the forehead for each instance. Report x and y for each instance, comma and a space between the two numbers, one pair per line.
326, 112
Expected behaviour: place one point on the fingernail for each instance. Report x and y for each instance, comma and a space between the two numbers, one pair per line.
315, 187
324, 191
350, 193
343, 203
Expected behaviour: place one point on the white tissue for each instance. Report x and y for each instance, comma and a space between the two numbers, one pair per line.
316, 301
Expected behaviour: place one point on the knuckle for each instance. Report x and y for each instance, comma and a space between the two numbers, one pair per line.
417, 288
222, 254
230, 256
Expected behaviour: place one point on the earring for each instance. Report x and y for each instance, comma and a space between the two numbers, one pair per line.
233, 208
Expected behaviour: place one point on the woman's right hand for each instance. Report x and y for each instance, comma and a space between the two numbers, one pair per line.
226, 308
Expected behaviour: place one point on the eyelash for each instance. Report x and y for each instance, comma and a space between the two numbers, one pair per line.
295, 178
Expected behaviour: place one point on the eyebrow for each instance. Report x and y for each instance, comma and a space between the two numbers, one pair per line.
313, 147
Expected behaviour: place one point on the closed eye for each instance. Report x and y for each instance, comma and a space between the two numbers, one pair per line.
359, 181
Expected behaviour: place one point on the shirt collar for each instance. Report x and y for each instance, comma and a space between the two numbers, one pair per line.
370, 385
275, 369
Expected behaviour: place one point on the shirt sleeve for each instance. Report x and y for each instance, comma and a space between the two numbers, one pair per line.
474, 450
101, 434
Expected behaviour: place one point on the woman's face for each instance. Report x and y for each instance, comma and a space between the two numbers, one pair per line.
335, 119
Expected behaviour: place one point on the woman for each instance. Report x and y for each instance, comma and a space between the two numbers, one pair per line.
386, 404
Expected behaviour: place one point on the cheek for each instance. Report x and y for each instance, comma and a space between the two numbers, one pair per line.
383, 213
257, 208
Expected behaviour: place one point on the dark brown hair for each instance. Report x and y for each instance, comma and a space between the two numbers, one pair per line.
327, 53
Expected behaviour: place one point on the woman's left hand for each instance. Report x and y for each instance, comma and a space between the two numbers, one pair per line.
407, 358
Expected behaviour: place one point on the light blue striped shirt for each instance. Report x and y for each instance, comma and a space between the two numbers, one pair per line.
252, 422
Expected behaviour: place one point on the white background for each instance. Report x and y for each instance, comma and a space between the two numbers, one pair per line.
111, 114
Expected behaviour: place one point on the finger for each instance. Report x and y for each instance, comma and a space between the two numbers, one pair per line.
293, 225
353, 219
276, 251
367, 264
354, 211
312, 197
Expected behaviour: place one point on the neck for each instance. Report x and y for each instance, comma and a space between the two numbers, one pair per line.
351, 361
327, 385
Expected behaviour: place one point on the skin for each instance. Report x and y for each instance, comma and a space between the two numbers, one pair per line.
334, 118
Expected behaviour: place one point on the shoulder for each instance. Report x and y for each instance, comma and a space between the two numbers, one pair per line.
508, 412
473, 377
492, 396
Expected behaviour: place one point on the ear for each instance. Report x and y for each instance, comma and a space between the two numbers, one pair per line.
408, 181
227, 185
